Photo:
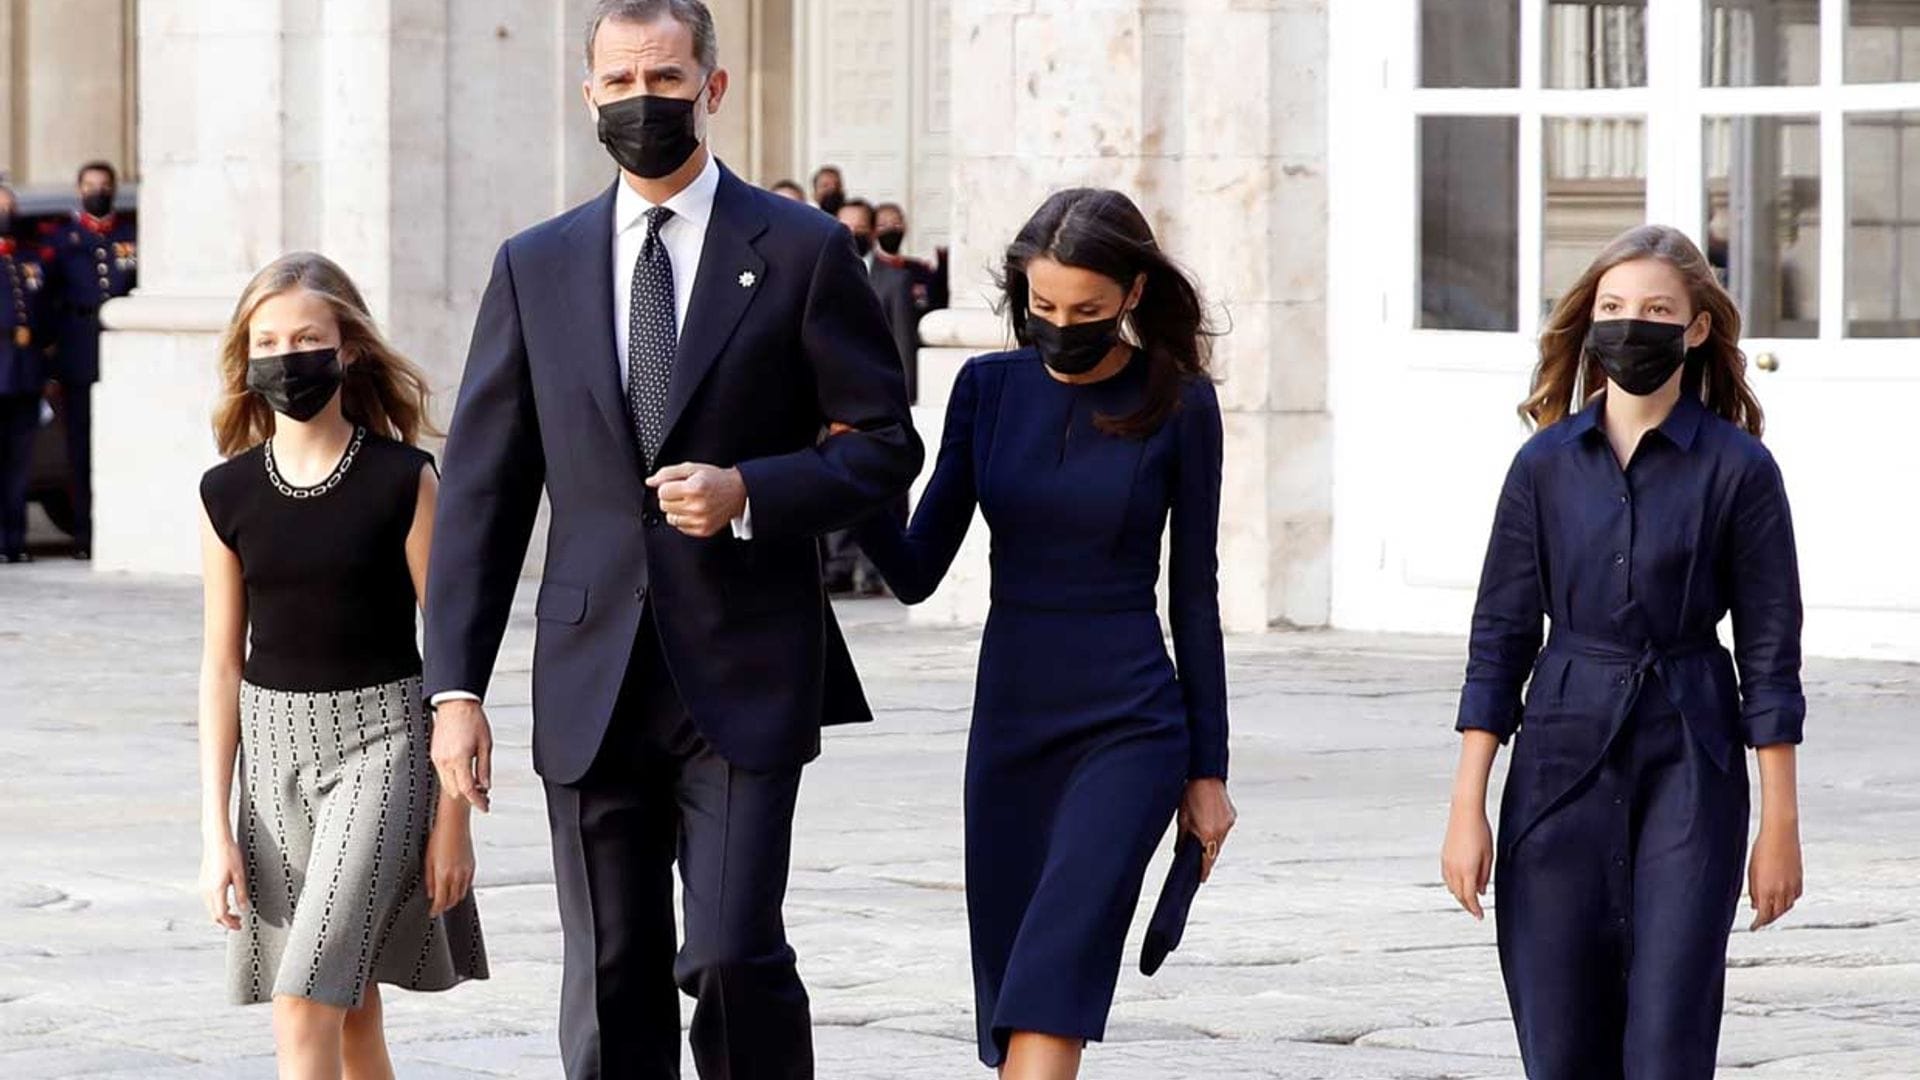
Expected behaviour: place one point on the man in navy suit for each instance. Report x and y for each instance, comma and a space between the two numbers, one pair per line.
661, 362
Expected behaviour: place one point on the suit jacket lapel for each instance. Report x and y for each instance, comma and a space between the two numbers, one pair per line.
587, 288
729, 276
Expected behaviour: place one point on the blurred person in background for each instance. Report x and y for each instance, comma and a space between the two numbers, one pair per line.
829, 189
907, 287
23, 375
89, 260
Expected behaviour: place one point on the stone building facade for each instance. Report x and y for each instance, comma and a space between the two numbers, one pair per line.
407, 137
1380, 200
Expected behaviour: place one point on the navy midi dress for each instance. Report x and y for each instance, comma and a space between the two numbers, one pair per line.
1623, 827
1084, 731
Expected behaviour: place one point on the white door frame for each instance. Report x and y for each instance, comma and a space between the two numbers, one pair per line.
1402, 555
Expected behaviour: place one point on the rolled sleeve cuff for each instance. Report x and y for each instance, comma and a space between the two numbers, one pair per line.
1775, 722
1486, 706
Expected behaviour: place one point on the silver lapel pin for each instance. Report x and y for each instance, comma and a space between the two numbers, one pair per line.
747, 279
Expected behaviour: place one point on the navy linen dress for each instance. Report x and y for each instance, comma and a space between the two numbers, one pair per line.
1083, 734
1623, 828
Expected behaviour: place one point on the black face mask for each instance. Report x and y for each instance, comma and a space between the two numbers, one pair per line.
1076, 349
650, 136
890, 240
863, 243
1639, 355
297, 385
97, 203
832, 201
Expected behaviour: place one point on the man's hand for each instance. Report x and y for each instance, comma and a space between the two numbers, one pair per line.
699, 500
463, 752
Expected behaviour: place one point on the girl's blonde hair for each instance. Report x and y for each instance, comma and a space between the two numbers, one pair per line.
384, 391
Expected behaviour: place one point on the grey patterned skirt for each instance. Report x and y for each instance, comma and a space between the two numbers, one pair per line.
337, 797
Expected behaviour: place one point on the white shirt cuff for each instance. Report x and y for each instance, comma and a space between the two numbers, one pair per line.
445, 696
743, 525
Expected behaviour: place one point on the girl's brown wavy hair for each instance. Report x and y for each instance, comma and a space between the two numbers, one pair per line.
384, 391
1716, 368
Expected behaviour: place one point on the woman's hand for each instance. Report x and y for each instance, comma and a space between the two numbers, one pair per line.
449, 870
1774, 873
221, 868
1207, 813
1466, 856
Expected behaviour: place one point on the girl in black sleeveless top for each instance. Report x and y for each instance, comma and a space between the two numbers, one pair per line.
349, 867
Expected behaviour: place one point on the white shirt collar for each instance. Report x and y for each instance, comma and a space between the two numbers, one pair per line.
693, 204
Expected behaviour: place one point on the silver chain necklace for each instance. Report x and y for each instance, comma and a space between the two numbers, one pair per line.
324, 486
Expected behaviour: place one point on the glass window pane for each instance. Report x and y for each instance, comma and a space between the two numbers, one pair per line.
1469, 222
1596, 45
1883, 224
1595, 188
1763, 219
1761, 43
1883, 41
1470, 43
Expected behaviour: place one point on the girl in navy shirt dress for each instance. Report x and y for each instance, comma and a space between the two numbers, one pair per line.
1642, 511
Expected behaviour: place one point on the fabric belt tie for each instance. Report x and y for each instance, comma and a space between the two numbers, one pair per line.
1648, 657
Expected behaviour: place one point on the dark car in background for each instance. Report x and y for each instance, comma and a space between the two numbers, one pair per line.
49, 484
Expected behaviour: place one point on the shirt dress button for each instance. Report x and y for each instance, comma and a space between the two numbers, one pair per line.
1619, 559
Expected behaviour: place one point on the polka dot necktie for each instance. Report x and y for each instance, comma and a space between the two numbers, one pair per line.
651, 339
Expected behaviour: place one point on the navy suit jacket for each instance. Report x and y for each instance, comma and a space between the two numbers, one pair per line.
781, 335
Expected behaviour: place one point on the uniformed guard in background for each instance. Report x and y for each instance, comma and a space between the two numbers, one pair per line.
89, 259
23, 378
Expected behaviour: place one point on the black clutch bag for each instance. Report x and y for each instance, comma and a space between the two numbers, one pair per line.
1169, 920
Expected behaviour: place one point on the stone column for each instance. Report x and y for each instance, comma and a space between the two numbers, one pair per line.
1212, 116
403, 138
68, 92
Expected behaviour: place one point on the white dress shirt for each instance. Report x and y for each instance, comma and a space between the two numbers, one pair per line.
684, 235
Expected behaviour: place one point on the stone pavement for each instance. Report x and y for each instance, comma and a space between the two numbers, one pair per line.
1325, 947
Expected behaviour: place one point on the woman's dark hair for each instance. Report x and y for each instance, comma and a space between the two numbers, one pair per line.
1103, 231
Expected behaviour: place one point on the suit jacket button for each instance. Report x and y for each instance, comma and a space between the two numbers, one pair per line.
640, 594
651, 519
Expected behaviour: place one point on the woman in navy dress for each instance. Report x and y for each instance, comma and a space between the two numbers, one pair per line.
1079, 450
1633, 525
